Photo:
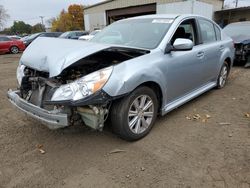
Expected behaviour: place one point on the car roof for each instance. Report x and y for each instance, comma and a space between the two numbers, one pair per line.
167, 16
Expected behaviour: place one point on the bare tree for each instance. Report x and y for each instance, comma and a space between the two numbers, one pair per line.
50, 21
3, 16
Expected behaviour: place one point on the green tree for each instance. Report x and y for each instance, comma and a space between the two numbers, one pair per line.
6, 31
38, 28
19, 27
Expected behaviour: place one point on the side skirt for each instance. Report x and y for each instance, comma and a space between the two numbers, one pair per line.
182, 100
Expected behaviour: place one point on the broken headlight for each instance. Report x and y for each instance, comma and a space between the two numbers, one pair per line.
20, 73
83, 87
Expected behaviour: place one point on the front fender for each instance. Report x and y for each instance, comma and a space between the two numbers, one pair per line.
129, 75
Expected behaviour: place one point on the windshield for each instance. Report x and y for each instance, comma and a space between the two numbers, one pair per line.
31, 37
142, 33
233, 30
64, 34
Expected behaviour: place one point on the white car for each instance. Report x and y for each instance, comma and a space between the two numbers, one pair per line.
90, 36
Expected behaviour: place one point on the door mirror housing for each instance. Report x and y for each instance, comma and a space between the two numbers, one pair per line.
183, 44
180, 44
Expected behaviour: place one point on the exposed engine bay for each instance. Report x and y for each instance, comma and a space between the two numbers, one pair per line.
242, 52
38, 88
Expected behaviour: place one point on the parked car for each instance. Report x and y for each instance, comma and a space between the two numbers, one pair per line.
73, 34
158, 63
9, 45
29, 39
240, 33
16, 37
90, 36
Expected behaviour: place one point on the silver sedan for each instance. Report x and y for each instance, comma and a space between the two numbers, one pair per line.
132, 71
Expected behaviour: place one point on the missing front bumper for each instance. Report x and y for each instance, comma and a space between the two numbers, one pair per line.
52, 119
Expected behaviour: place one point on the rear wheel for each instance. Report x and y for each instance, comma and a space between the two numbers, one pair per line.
133, 116
221, 82
14, 50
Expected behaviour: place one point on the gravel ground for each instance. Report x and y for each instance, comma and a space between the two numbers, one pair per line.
212, 151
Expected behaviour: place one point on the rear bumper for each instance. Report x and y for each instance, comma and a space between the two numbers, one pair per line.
52, 119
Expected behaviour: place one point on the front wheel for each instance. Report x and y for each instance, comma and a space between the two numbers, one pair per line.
133, 116
221, 82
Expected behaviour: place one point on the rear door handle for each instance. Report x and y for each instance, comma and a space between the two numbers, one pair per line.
200, 54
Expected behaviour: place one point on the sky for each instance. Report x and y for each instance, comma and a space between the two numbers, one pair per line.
30, 10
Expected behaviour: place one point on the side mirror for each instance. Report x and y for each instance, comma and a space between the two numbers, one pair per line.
180, 44
183, 44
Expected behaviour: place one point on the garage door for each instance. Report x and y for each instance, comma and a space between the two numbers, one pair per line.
117, 14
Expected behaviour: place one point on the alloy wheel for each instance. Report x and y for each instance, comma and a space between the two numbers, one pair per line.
140, 114
223, 76
14, 50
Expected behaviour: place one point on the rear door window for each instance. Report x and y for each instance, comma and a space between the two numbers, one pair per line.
3, 39
207, 31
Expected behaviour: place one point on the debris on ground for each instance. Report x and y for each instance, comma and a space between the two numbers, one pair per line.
204, 118
225, 123
230, 134
40, 148
42, 151
208, 116
143, 169
196, 116
116, 151
247, 115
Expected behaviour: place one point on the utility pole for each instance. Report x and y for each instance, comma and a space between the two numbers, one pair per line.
42, 21
223, 4
236, 5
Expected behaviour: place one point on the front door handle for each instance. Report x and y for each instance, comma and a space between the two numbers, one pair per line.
200, 54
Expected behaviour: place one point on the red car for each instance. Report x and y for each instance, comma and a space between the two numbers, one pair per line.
10, 45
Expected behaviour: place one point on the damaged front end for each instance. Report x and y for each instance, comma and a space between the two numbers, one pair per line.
58, 102
242, 52
75, 95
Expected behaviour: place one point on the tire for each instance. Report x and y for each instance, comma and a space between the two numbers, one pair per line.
129, 110
14, 50
222, 78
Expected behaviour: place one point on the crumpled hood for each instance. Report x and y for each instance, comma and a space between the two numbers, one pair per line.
53, 55
244, 39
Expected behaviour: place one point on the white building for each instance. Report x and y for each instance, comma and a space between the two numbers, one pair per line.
104, 13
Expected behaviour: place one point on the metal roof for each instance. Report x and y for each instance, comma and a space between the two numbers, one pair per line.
97, 4
234, 9
107, 1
